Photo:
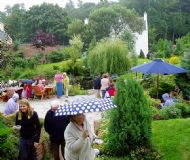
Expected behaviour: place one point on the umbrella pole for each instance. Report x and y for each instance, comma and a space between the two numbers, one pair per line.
157, 85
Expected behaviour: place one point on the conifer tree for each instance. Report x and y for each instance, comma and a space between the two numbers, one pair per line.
130, 122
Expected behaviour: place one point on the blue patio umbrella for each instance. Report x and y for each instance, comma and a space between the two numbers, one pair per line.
85, 105
28, 81
158, 66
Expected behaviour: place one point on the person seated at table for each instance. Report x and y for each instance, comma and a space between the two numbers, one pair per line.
12, 105
165, 97
24, 90
10, 92
173, 96
169, 102
41, 86
35, 81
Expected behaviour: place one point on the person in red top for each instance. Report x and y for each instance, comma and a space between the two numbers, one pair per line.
111, 91
41, 86
28, 90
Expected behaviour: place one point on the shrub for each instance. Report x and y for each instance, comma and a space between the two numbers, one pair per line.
8, 140
185, 109
55, 56
16, 73
76, 90
141, 54
170, 112
130, 122
182, 80
174, 60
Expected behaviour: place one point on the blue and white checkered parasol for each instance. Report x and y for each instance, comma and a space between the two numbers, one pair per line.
85, 105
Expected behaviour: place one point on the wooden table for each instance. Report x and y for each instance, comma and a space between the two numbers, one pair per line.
48, 91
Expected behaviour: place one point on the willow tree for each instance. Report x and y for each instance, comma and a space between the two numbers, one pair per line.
109, 56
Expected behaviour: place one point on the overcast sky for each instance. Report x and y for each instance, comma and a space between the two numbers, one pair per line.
29, 3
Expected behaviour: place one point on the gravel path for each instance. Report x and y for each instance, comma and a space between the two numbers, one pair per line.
42, 106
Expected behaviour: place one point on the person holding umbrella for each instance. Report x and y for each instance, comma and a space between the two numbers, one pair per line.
79, 138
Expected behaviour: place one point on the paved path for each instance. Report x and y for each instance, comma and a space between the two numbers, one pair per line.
42, 106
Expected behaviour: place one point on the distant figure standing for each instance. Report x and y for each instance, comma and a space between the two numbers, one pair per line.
66, 84
97, 85
153, 55
55, 127
12, 105
148, 55
104, 84
59, 84
30, 130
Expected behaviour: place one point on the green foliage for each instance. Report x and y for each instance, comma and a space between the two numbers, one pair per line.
141, 54
164, 47
75, 27
166, 84
130, 122
49, 18
8, 140
170, 112
185, 109
16, 45
76, 90
182, 44
55, 56
182, 80
172, 138
109, 56
128, 37
76, 46
168, 18
113, 18
16, 73
14, 22
174, 60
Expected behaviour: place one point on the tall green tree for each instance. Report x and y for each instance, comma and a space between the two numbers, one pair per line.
75, 27
50, 19
113, 20
182, 80
169, 17
76, 46
130, 123
14, 21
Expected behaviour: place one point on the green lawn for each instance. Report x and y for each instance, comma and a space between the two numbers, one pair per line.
142, 60
172, 137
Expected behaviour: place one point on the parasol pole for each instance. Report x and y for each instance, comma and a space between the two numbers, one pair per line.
157, 85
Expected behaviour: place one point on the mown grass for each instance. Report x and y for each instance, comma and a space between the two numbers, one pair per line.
143, 60
172, 138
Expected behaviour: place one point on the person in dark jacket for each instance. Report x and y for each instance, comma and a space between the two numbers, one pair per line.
97, 85
55, 127
28, 123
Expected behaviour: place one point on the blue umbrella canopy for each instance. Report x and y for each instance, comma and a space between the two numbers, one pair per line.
28, 81
85, 105
158, 66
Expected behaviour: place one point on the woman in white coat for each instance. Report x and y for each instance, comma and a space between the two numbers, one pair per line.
79, 138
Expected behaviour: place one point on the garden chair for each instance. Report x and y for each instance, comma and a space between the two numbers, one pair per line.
38, 92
